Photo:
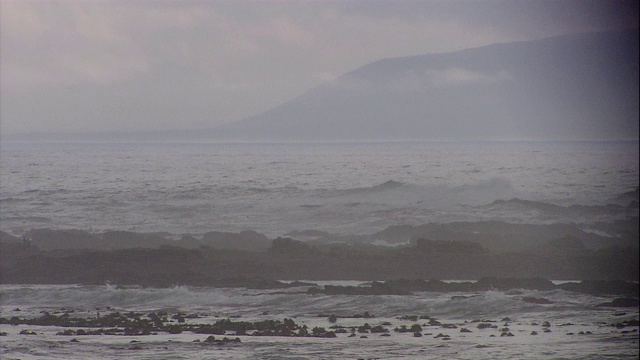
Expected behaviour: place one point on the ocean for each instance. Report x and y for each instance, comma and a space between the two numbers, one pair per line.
578, 328
340, 188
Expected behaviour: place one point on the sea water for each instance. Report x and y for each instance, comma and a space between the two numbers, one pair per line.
579, 327
344, 188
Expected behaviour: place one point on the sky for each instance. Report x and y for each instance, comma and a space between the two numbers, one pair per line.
102, 66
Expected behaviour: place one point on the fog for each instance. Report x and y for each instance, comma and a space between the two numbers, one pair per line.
334, 179
148, 66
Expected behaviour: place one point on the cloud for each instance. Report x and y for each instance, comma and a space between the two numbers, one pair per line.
460, 76
242, 57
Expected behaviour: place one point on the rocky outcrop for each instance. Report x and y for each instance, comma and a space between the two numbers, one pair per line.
443, 246
291, 247
245, 240
622, 302
568, 245
8, 238
48, 239
403, 287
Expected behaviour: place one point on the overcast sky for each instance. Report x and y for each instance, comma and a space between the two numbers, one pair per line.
77, 66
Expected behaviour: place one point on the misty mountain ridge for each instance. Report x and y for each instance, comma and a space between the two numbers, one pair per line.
576, 87
573, 87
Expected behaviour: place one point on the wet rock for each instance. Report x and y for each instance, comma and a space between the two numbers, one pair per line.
603, 287
487, 326
503, 284
622, 302
210, 339
245, 240
535, 300
379, 329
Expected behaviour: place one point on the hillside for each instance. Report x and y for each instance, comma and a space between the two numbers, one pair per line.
573, 87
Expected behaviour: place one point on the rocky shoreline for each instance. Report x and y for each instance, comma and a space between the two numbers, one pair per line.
249, 259
116, 323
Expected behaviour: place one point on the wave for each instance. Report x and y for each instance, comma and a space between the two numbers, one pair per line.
243, 302
482, 190
520, 205
387, 185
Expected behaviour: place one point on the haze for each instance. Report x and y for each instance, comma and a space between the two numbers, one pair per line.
138, 66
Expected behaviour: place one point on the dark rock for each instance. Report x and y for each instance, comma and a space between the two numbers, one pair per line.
603, 287
287, 246
487, 326
535, 300
492, 283
443, 246
622, 302
245, 240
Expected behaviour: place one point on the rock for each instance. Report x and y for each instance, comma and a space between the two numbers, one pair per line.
444, 246
567, 245
245, 240
489, 283
487, 326
535, 300
8, 238
48, 239
288, 246
534, 333
188, 242
622, 302
210, 339
603, 287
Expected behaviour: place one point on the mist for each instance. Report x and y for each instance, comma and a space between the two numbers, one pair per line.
344, 180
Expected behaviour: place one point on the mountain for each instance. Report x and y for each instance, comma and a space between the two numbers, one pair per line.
575, 87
